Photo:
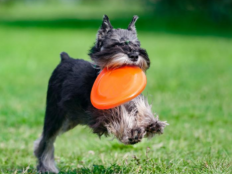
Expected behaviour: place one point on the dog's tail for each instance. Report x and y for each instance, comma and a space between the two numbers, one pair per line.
64, 56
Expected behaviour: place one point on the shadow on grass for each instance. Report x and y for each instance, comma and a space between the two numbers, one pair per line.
97, 169
175, 25
121, 147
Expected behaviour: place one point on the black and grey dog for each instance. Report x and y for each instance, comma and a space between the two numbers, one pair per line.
68, 96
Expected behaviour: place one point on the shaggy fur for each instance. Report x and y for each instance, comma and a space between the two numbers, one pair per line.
68, 96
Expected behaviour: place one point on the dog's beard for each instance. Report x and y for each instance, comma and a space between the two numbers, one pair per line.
122, 59
117, 56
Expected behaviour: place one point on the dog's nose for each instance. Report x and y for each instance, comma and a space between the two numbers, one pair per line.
134, 56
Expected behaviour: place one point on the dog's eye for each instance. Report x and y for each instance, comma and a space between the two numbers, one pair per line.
127, 42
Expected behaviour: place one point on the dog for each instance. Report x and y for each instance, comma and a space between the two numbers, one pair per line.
68, 96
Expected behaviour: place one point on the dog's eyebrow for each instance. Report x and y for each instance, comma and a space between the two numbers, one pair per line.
114, 43
133, 44
114, 40
111, 42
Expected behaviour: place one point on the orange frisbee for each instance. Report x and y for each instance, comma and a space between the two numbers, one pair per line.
114, 87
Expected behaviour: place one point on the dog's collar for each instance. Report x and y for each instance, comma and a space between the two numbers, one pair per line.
96, 66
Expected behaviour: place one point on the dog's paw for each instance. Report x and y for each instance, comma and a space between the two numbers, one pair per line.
136, 135
47, 168
42, 169
156, 127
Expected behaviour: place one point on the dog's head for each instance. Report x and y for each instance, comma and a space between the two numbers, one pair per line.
117, 47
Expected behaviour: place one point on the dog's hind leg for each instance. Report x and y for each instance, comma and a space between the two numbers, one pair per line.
44, 151
43, 147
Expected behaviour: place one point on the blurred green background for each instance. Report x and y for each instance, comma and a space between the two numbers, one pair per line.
189, 83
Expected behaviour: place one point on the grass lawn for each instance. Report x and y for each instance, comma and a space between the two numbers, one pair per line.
189, 84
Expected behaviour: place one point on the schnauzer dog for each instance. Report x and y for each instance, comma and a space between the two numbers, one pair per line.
68, 97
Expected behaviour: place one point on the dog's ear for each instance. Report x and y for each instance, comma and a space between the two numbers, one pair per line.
104, 29
106, 25
131, 26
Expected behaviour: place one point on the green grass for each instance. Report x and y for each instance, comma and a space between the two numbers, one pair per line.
189, 84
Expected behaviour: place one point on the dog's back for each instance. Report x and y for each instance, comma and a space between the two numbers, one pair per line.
74, 78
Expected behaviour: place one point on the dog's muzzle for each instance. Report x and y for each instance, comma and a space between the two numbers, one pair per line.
133, 56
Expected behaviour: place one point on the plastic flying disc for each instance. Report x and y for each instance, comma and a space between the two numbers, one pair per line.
114, 87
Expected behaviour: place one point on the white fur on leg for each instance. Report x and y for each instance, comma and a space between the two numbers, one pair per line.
122, 122
46, 161
145, 115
